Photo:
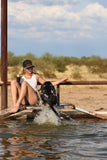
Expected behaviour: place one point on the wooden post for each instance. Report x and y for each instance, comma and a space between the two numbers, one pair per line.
4, 53
58, 94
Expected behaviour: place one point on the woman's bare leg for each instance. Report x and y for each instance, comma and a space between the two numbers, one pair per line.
15, 91
27, 91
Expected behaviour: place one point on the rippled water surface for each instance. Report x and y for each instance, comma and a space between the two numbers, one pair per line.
76, 139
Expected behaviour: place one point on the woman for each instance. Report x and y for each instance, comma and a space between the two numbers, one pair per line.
28, 88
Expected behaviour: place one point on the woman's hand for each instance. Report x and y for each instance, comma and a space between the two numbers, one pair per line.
60, 81
64, 80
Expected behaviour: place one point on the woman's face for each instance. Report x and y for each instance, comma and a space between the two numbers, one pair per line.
29, 70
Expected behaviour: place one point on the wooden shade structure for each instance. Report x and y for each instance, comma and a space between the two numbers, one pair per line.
4, 62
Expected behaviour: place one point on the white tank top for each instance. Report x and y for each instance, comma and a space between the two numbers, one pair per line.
32, 81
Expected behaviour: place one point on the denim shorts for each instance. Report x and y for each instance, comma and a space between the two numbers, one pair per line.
37, 103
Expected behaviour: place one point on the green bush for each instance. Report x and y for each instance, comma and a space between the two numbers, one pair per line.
60, 64
48, 74
12, 60
76, 73
48, 62
13, 71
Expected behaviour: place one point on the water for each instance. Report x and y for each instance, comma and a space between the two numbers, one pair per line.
47, 116
75, 139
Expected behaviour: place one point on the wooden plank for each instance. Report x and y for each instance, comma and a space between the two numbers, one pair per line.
25, 110
97, 114
4, 54
76, 113
75, 83
84, 83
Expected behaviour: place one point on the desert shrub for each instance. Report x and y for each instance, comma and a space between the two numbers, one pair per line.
59, 63
17, 60
75, 61
76, 73
13, 71
42, 65
103, 75
60, 67
30, 56
47, 56
48, 62
48, 74
91, 61
98, 67
94, 69
12, 60
103, 66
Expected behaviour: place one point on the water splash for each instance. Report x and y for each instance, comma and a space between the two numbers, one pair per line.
47, 116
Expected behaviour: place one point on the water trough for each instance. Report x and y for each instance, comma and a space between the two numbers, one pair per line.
28, 113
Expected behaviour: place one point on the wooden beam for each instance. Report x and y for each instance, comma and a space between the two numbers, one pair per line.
74, 83
4, 54
84, 83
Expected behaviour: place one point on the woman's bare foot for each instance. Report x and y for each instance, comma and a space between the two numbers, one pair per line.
14, 109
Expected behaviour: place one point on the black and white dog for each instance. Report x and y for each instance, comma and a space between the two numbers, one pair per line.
48, 94
49, 98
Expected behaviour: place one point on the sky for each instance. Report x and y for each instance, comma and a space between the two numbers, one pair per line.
61, 27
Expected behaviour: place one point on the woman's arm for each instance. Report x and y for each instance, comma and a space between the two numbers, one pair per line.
60, 81
39, 79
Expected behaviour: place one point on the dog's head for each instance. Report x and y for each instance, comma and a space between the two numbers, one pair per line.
48, 93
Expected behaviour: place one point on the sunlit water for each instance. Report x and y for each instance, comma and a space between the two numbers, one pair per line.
43, 140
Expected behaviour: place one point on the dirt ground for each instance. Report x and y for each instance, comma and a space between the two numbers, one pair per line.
90, 98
